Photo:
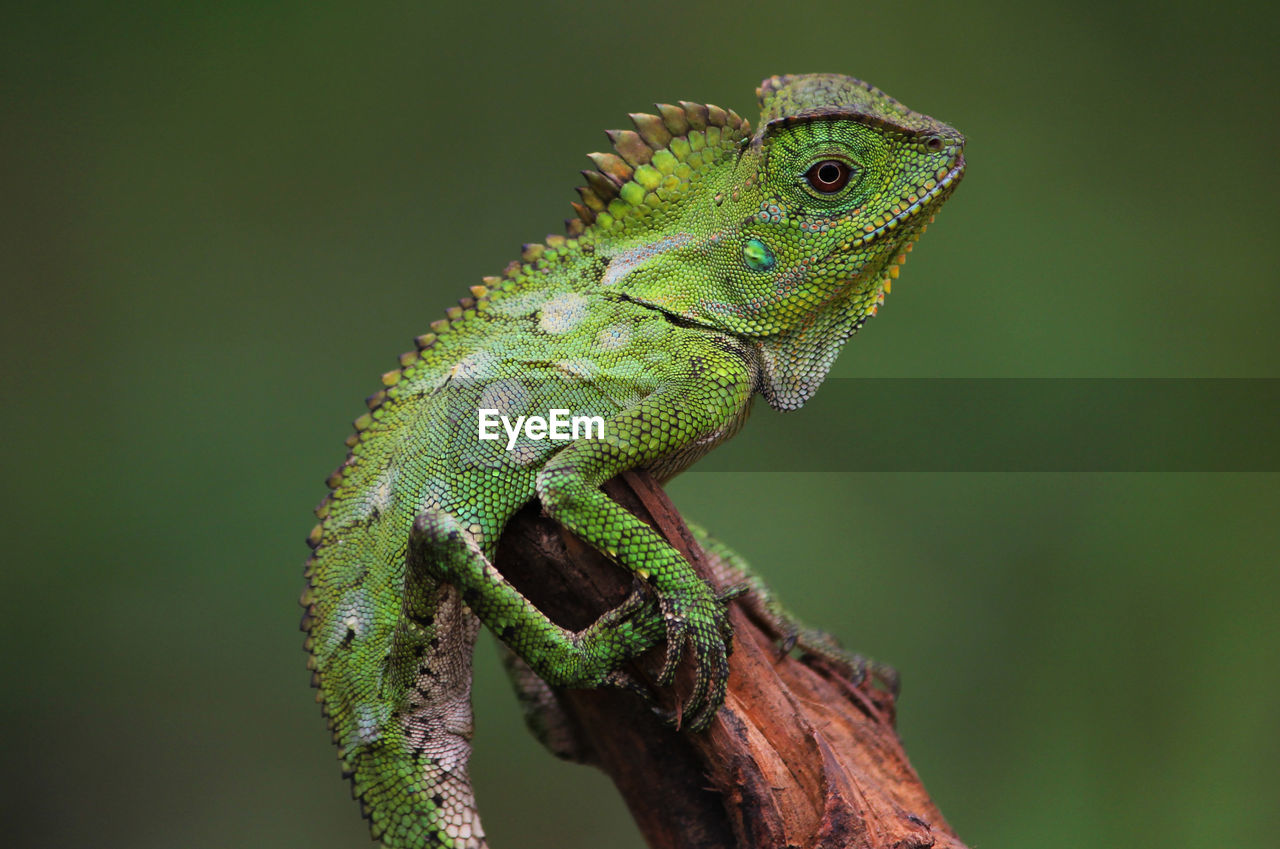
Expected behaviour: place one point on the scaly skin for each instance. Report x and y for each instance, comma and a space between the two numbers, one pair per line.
708, 263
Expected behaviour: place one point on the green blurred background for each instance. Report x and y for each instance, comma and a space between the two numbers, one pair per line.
223, 221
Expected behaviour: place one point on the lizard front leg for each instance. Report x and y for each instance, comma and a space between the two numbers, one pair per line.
546, 716
441, 551
700, 402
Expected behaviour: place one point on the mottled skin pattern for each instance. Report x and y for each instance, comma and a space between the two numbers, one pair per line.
708, 263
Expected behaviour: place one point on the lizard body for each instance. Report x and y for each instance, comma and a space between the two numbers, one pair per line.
708, 263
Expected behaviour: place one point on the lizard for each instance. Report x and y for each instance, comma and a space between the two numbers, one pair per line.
708, 263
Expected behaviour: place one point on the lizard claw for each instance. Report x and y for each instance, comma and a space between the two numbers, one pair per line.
787, 643
855, 668
733, 591
636, 600
697, 619
624, 680
822, 647
888, 676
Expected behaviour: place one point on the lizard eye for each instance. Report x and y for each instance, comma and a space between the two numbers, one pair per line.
828, 176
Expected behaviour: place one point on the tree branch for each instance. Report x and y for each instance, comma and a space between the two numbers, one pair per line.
798, 757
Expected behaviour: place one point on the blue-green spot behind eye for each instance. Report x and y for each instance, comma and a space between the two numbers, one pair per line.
757, 255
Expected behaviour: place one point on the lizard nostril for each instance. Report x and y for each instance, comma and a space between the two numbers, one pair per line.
934, 143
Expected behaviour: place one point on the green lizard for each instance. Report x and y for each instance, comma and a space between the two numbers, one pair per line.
707, 263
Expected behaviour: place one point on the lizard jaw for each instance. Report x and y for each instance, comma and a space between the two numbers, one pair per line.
941, 187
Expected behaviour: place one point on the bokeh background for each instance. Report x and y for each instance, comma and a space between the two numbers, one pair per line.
222, 221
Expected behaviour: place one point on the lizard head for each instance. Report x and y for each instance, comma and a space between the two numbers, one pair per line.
788, 236
845, 180
848, 178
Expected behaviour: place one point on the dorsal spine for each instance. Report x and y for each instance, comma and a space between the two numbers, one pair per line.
645, 157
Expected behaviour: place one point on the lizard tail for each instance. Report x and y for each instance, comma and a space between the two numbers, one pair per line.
405, 743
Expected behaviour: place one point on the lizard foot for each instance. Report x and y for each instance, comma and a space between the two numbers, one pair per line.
856, 669
697, 618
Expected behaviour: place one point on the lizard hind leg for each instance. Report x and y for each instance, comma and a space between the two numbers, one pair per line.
544, 715
732, 571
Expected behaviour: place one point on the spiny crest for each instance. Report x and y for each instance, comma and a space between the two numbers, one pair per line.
646, 162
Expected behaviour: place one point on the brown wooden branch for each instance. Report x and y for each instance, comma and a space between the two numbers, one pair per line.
798, 757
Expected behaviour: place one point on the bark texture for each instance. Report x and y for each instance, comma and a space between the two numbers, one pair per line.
798, 757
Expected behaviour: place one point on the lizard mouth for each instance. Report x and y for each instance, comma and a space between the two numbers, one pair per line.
940, 189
